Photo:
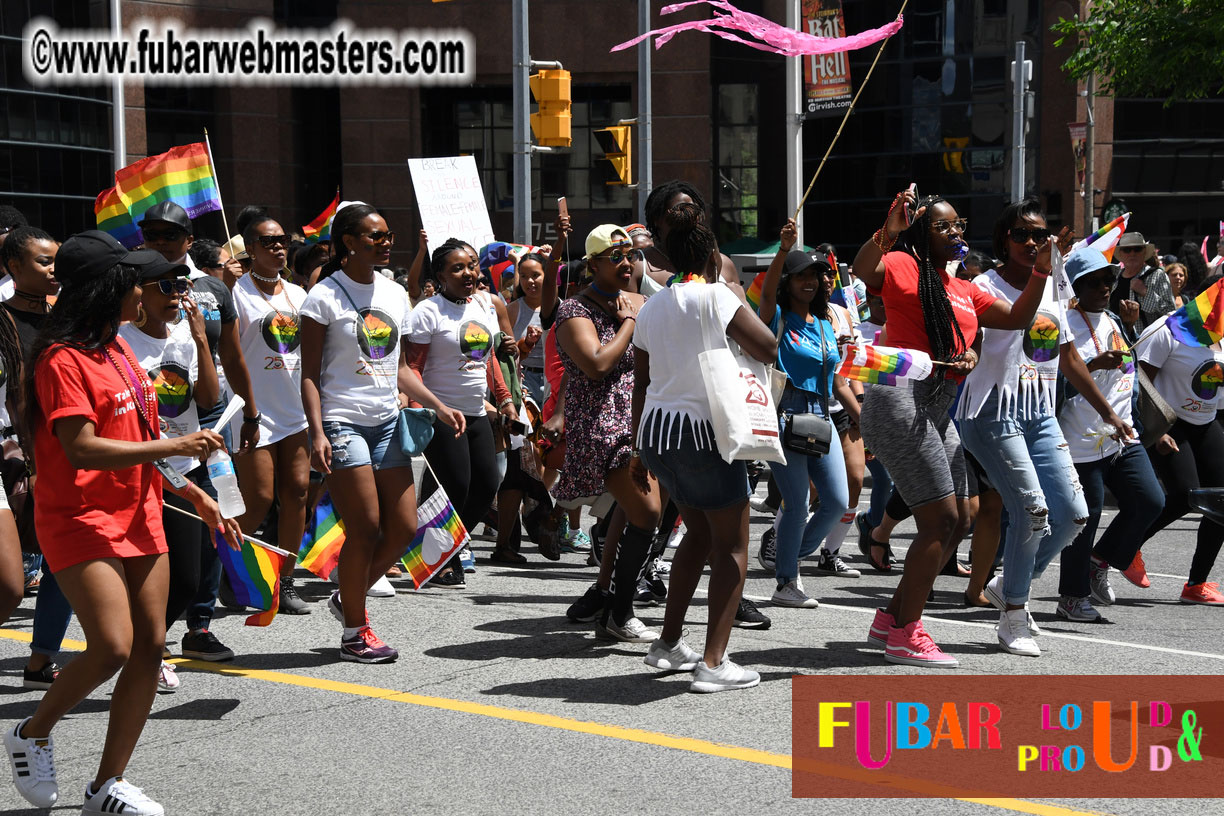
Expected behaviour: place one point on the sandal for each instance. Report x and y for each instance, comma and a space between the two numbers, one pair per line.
956, 569
886, 564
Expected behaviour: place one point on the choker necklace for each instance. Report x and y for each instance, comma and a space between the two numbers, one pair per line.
262, 279
606, 295
462, 299
34, 300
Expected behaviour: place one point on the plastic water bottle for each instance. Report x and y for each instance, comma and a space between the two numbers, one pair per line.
221, 472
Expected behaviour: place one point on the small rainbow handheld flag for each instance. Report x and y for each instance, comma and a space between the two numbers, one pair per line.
1105, 240
113, 217
440, 534
320, 228
182, 174
882, 365
320, 550
254, 574
753, 293
1201, 321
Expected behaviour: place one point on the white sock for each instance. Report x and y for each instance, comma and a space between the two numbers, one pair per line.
350, 632
837, 535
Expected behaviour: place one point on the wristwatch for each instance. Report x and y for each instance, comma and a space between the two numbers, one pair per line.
253, 420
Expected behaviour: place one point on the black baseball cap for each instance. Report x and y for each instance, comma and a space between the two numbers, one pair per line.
169, 212
88, 254
799, 261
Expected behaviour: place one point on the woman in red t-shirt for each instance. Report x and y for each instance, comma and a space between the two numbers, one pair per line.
99, 510
908, 427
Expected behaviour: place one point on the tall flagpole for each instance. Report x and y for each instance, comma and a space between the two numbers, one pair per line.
213, 164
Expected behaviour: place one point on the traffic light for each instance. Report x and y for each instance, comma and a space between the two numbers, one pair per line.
616, 166
551, 125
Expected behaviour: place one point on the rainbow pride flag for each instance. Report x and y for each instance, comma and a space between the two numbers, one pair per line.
182, 174
882, 365
753, 293
254, 574
1105, 240
320, 550
320, 228
440, 534
113, 217
1201, 321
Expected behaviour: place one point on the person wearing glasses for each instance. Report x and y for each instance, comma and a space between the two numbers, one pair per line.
595, 341
1148, 286
1009, 424
908, 427
353, 326
173, 352
267, 308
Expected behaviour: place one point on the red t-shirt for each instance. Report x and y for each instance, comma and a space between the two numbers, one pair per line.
554, 370
906, 328
85, 515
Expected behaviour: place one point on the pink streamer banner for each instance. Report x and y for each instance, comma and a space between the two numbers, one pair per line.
729, 23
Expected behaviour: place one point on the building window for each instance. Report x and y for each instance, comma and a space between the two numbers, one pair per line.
736, 144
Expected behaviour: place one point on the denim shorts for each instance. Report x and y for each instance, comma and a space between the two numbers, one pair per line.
357, 445
695, 477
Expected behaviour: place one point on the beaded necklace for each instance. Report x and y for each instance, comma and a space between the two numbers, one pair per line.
146, 400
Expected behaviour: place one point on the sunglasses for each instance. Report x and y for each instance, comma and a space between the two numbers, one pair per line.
177, 286
381, 236
830, 273
618, 255
1131, 249
164, 235
270, 241
1021, 235
944, 227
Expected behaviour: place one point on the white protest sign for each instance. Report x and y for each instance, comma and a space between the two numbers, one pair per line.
451, 200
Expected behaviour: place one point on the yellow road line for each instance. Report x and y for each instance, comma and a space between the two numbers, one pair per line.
690, 744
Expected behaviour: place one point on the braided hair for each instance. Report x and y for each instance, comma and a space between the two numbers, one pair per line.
690, 243
437, 261
656, 203
943, 331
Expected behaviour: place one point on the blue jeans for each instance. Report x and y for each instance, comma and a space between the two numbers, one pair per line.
1028, 462
1133, 482
881, 490
828, 473
51, 616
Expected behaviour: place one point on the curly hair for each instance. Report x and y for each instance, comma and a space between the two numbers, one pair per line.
943, 332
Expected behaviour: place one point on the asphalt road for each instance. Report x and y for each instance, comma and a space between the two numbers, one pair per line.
499, 704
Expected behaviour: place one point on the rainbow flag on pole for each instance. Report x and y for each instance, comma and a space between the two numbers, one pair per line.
882, 365
320, 550
1106, 238
254, 574
1201, 321
113, 217
753, 293
440, 534
182, 174
320, 228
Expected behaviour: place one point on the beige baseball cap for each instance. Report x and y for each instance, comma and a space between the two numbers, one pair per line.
603, 238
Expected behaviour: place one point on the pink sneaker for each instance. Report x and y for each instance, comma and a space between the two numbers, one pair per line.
912, 646
878, 634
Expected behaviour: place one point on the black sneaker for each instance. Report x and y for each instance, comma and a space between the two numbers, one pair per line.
450, 579
749, 617
768, 550
41, 679
203, 645
595, 556
651, 588
589, 606
290, 602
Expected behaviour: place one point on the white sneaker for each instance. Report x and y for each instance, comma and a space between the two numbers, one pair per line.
168, 679
726, 677
33, 762
1098, 583
994, 593
677, 657
792, 594
120, 796
633, 631
1015, 635
382, 589
1079, 610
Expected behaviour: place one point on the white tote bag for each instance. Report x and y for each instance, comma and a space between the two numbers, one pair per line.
744, 417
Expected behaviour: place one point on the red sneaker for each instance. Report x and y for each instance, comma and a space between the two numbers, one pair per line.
1205, 593
1136, 573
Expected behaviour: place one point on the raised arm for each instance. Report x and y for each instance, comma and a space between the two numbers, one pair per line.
769, 286
869, 262
418, 263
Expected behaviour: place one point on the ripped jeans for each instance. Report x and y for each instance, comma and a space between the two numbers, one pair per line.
1028, 462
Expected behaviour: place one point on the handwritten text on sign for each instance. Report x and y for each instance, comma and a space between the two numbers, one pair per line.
451, 200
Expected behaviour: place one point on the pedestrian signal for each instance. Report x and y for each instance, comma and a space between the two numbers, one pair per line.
616, 166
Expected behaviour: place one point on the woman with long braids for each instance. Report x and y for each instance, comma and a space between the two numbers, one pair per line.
908, 426
450, 347
99, 512
353, 372
594, 337
672, 426
1008, 422
29, 256
267, 306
